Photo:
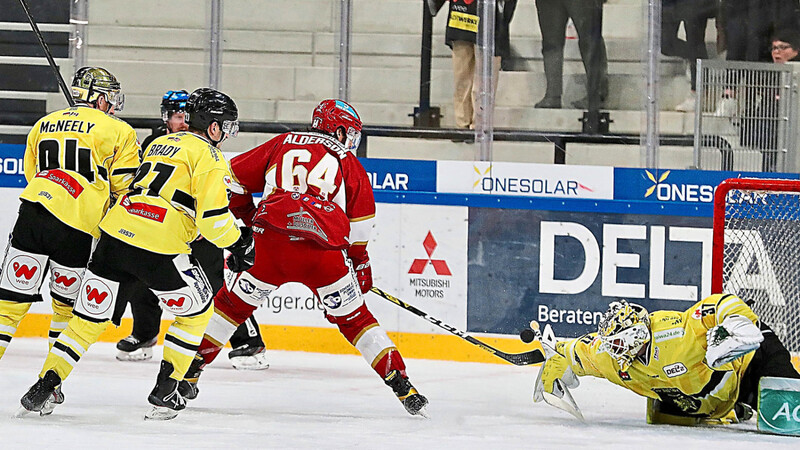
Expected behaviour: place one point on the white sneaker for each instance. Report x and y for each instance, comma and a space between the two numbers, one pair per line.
727, 107
688, 104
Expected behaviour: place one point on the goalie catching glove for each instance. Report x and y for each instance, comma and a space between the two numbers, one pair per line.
243, 252
734, 337
555, 377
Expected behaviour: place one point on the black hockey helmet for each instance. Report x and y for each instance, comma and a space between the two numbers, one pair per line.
206, 106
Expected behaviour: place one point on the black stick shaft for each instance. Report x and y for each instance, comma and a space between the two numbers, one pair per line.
48, 55
521, 359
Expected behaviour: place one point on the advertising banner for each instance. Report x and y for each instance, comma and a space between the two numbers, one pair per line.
12, 170
691, 186
563, 268
523, 179
400, 174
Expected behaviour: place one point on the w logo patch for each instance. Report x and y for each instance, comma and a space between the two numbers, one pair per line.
93, 295
64, 280
23, 271
173, 302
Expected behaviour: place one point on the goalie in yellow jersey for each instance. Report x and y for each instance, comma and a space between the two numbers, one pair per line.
180, 189
698, 365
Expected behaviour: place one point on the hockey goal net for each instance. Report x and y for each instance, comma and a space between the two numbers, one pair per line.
756, 251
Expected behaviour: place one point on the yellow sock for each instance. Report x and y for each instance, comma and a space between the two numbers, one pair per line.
11, 313
73, 342
182, 341
62, 313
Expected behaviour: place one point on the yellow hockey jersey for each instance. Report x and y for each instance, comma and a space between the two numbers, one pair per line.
673, 368
181, 189
76, 159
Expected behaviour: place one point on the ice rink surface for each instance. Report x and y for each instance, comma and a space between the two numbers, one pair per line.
309, 400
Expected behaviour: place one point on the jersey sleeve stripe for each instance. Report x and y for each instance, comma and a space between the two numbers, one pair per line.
215, 212
185, 200
103, 172
726, 304
361, 219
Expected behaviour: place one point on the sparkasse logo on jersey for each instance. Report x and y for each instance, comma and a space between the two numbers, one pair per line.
431, 286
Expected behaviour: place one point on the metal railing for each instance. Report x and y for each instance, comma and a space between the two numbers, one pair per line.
746, 116
560, 140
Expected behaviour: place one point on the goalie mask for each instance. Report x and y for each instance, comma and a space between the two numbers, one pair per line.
623, 331
331, 115
90, 82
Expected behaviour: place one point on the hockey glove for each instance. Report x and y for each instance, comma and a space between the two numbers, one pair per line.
362, 267
243, 252
734, 337
554, 377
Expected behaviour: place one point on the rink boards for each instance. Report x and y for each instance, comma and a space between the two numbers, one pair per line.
488, 247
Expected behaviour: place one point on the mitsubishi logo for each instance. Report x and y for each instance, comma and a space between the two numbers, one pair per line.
439, 265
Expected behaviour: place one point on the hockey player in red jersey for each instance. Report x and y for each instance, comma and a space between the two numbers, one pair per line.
311, 226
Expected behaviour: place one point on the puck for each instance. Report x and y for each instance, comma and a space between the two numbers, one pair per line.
527, 335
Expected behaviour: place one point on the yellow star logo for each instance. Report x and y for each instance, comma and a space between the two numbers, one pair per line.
652, 178
480, 175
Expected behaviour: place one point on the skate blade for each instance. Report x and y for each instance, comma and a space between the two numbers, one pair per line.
160, 413
143, 354
21, 412
258, 362
423, 412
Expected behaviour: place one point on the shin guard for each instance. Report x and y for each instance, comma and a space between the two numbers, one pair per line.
11, 313
362, 330
62, 313
73, 342
183, 340
229, 312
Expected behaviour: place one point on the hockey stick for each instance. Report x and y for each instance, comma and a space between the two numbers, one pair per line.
521, 359
566, 402
48, 55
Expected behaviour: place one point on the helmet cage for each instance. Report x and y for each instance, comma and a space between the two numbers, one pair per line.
172, 102
331, 115
90, 82
624, 331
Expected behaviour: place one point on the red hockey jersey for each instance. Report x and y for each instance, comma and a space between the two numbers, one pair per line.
313, 164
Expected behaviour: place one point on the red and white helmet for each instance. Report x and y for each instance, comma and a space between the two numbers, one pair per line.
331, 115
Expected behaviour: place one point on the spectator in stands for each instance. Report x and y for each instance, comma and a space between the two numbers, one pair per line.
461, 37
694, 14
587, 16
785, 46
749, 25
759, 121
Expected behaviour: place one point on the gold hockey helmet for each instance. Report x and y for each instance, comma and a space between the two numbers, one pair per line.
623, 331
90, 82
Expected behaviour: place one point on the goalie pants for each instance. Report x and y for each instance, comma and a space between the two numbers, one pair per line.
114, 266
282, 259
771, 359
146, 309
40, 242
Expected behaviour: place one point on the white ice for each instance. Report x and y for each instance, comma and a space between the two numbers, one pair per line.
309, 400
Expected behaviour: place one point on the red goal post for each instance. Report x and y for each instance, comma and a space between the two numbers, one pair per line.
756, 250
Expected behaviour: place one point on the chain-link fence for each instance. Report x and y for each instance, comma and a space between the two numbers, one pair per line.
746, 116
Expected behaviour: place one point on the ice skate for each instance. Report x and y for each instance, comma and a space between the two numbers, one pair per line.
414, 402
132, 349
165, 398
249, 357
43, 396
188, 386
